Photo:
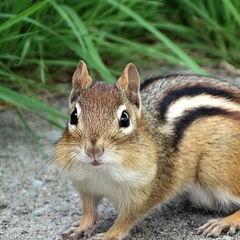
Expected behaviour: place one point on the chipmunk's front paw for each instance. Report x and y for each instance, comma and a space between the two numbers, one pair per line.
76, 232
215, 227
212, 228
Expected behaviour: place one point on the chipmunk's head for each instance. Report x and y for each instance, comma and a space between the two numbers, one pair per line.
103, 119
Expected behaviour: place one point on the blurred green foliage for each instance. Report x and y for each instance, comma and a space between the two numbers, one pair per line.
42, 41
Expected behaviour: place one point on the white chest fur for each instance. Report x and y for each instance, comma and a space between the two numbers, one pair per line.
110, 181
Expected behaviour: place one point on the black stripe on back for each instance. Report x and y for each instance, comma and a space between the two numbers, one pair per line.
191, 116
190, 91
149, 81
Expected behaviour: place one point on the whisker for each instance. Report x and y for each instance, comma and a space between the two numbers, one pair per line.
66, 165
50, 161
43, 168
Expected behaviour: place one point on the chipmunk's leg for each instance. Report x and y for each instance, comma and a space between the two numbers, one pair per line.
87, 224
123, 223
215, 227
118, 231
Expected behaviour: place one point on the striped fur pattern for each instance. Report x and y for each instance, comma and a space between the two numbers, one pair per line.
180, 100
189, 105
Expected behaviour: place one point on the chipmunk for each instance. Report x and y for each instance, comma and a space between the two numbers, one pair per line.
142, 145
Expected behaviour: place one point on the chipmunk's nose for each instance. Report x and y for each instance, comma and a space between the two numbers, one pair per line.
94, 152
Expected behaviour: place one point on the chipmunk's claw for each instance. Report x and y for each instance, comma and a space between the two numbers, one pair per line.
76, 232
233, 228
215, 227
212, 228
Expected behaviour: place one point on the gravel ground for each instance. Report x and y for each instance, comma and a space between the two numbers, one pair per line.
37, 202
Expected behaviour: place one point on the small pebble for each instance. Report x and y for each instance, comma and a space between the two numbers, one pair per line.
40, 211
37, 183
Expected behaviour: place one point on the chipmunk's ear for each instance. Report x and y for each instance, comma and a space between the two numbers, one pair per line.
80, 81
130, 83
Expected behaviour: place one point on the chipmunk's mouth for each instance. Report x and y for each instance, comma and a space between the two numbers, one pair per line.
95, 163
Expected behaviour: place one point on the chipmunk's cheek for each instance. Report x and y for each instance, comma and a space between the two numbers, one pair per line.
79, 156
112, 159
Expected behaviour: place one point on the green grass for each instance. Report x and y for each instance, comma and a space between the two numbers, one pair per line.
42, 42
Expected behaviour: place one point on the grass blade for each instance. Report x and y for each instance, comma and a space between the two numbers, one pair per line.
32, 105
84, 37
163, 38
22, 15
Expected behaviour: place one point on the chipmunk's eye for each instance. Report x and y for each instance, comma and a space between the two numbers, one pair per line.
124, 120
74, 117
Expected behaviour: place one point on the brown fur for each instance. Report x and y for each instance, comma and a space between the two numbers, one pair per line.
140, 166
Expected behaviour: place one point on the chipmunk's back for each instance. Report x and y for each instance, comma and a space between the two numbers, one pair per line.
177, 101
